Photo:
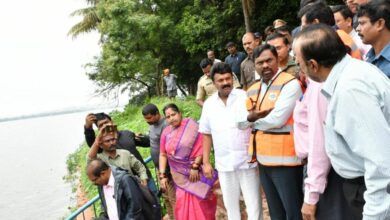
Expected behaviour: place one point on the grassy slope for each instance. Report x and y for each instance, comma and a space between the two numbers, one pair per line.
131, 119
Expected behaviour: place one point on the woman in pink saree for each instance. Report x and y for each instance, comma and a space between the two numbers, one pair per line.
181, 147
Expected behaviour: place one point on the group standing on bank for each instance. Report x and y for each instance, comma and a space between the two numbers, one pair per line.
300, 124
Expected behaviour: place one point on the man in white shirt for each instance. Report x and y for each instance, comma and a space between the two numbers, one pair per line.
219, 126
357, 125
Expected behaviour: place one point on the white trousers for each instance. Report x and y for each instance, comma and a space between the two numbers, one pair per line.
246, 181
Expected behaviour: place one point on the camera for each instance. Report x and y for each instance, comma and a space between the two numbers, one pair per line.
110, 129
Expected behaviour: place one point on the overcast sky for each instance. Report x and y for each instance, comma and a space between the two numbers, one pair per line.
41, 68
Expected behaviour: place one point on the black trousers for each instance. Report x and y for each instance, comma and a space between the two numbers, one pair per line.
353, 191
283, 189
332, 203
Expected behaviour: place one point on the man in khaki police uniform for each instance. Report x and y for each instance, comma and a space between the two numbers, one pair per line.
206, 86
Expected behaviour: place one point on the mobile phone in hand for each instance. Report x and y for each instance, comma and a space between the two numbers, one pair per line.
99, 116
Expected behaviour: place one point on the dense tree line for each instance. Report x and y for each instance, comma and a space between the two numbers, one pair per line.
139, 38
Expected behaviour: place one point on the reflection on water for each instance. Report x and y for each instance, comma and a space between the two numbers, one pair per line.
32, 164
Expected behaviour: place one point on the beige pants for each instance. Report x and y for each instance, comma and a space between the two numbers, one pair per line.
169, 198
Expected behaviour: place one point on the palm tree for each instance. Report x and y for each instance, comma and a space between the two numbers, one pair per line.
247, 7
89, 22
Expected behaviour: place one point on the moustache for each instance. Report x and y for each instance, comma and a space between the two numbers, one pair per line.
266, 70
226, 86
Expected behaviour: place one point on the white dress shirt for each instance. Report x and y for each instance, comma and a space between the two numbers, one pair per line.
221, 121
284, 105
357, 129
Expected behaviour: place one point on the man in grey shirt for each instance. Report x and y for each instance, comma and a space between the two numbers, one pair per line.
170, 81
247, 65
156, 126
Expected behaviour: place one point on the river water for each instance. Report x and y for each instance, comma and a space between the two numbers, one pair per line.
32, 164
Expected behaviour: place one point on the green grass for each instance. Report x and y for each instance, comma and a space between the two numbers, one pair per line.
130, 119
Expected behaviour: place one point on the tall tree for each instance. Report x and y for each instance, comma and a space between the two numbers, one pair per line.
140, 38
89, 22
132, 45
247, 8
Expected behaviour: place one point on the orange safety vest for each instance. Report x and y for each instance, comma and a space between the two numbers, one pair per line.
274, 147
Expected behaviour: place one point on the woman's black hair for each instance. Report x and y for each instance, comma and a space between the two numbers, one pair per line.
171, 106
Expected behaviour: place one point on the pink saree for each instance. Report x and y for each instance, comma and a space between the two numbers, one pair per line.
182, 145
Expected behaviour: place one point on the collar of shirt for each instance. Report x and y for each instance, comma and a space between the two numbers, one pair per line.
353, 33
334, 75
205, 77
232, 94
158, 123
111, 181
257, 76
385, 53
290, 61
250, 57
108, 156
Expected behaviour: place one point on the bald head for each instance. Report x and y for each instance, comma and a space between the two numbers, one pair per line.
249, 34
98, 172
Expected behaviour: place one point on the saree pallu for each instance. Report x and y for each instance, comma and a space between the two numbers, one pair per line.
180, 173
182, 145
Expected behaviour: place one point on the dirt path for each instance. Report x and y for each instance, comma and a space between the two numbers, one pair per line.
81, 200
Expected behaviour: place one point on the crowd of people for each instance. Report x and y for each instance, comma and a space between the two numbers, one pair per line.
303, 118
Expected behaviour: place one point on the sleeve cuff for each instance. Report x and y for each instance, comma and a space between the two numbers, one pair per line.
311, 197
203, 129
243, 125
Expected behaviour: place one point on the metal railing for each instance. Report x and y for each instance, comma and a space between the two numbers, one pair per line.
92, 202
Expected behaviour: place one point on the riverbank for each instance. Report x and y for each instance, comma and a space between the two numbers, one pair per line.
129, 119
